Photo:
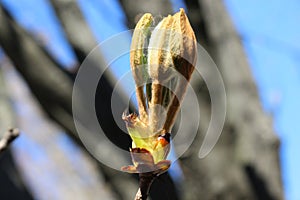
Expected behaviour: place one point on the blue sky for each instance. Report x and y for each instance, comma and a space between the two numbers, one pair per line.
270, 34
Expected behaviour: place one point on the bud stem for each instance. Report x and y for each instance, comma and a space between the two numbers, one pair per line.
146, 180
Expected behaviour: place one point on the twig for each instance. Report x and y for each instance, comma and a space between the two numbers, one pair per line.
146, 180
9, 136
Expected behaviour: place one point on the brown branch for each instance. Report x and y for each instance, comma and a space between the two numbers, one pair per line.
78, 33
146, 180
9, 136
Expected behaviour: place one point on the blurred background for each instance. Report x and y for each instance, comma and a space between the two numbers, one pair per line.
256, 46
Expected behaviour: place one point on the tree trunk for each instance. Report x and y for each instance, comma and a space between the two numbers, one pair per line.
239, 165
